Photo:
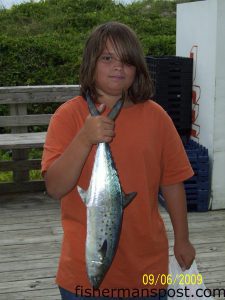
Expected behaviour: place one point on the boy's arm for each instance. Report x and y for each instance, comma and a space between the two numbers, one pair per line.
64, 172
175, 198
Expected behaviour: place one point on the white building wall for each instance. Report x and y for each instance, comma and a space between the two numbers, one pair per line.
202, 24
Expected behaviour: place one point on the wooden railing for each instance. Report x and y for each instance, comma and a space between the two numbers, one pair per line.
19, 141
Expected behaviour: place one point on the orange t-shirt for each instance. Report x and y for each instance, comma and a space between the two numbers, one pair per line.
148, 153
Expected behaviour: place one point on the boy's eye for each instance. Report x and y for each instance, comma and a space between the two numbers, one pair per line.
109, 58
106, 58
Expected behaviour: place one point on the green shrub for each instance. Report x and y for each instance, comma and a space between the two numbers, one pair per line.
42, 43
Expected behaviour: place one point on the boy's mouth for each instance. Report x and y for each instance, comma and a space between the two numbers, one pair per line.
117, 77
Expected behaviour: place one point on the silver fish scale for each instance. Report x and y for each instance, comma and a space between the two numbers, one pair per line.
105, 202
104, 185
104, 212
106, 227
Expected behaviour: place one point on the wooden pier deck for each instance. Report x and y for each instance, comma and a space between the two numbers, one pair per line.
30, 237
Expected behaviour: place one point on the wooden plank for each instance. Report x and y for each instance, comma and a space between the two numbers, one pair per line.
18, 109
29, 267
13, 187
197, 226
39, 204
24, 274
18, 154
38, 200
26, 252
18, 141
29, 239
22, 140
203, 237
210, 278
25, 120
32, 225
31, 164
50, 262
38, 94
27, 233
27, 285
33, 213
45, 294
208, 248
49, 216
37, 88
214, 215
210, 263
31, 234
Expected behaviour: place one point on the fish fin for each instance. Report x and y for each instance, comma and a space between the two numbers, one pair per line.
127, 198
83, 194
102, 251
117, 107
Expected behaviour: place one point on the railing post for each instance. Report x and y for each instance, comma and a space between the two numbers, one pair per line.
17, 100
19, 154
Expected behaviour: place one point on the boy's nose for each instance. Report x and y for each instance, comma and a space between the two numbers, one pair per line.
118, 64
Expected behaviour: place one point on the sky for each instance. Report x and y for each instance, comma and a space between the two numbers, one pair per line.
9, 3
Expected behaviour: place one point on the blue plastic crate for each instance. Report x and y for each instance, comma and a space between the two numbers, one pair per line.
203, 173
199, 158
201, 203
192, 180
203, 185
197, 187
203, 158
203, 166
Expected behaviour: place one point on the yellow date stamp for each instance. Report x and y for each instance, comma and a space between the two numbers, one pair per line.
168, 279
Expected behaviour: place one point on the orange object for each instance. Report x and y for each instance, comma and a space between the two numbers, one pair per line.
147, 152
194, 97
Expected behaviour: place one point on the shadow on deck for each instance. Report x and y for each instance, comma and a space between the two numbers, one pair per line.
30, 237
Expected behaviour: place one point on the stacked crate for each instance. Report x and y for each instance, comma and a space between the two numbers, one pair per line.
172, 78
197, 188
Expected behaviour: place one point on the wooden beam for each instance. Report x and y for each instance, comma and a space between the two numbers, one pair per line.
10, 165
38, 94
13, 187
24, 120
22, 140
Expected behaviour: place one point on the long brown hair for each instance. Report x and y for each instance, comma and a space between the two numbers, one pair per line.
129, 51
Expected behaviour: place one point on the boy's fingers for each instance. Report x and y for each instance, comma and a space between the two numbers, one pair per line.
181, 263
108, 125
189, 263
109, 133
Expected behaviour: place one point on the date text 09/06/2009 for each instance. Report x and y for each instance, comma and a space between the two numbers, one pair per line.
167, 279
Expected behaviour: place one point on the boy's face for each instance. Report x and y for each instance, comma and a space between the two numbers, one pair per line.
111, 75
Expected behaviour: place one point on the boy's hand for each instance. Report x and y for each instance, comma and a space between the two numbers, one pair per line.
184, 253
98, 129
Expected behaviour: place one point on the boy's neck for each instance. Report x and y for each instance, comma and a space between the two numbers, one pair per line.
110, 101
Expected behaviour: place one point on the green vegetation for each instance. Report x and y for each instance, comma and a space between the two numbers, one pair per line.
41, 43
7, 156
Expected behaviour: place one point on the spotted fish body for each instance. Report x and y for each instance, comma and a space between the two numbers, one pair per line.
105, 202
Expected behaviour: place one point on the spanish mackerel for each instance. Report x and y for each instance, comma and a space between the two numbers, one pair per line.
105, 202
